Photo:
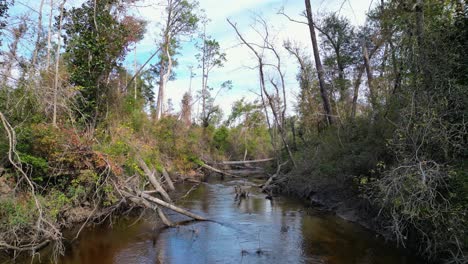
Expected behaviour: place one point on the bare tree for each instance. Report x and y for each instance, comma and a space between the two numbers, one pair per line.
277, 102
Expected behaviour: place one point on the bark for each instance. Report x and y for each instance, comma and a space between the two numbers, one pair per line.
171, 206
163, 217
420, 36
161, 90
204, 76
166, 75
154, 181
396, 69
147, 200
135, 69
49, 34
373, 99
57, 64
206, 166
242, 162
318, 64
145, 203
361, 70
168, 179
357, 83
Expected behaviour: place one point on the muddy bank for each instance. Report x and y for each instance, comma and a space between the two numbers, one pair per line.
337, 198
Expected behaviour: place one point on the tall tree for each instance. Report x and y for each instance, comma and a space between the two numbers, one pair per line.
180, 20
210, 57
4, 5
318, 65
96, 41
339, 47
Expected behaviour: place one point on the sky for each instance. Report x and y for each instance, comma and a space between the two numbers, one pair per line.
240, 60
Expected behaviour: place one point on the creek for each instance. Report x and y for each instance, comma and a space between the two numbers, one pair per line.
250, 230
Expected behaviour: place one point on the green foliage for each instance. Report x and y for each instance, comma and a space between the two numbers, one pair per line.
4, 5
39, 166
95, 43
56, 201
220, 139
16, 214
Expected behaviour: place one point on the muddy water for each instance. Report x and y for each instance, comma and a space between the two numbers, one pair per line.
253, 230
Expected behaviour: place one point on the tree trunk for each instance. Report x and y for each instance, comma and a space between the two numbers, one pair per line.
49, 34
39, 33
357, 84
57, 64
421, 42
167, 74
171, 206
154, 181
318, 64
135, 69
370, 77
168, 179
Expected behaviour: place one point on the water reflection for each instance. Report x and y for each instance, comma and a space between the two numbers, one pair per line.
253, 230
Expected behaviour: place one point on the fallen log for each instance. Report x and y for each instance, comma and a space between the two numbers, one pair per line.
142, 202
245, 172
206, 166
171, 206
168, 179
146, 200
268, 183
154, 181
241, 162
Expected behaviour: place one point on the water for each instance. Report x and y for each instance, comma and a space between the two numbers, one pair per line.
253, 230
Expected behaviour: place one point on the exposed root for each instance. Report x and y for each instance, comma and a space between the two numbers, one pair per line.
43, 231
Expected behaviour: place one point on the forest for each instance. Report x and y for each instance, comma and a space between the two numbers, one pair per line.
379, 123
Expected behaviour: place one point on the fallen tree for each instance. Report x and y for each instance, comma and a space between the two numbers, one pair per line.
243, 162
42, 221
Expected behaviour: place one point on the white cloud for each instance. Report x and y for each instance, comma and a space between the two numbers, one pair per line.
239, 57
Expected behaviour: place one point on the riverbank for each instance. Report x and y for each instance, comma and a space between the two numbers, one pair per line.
340, 199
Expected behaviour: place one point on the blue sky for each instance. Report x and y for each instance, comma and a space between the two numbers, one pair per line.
239, 59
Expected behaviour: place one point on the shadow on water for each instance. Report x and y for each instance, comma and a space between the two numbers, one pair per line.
251, 230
